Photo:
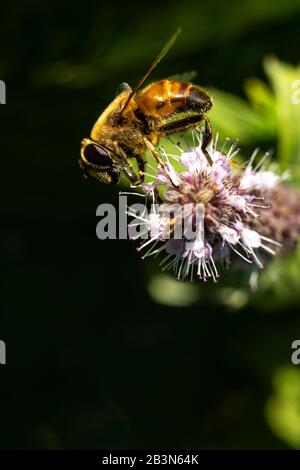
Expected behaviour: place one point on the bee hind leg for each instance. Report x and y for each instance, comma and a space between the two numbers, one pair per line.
190, 122
206, 139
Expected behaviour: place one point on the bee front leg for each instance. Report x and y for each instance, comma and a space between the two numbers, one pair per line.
131, 175
141, 165
126, 166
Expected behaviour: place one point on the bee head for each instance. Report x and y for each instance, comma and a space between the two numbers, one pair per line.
97, 161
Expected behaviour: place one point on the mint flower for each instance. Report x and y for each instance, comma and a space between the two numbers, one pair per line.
245, 213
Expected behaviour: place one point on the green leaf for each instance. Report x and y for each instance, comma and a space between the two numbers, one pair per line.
263, 102
235, 118
285, 81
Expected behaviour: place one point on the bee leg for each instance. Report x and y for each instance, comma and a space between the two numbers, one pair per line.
130, 173
126, 166
190, 122
157, 156
206, 139
133, 178
141, 165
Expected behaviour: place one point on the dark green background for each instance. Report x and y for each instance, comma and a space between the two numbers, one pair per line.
92, 361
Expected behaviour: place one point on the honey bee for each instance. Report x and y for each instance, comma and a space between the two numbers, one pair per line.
137, 118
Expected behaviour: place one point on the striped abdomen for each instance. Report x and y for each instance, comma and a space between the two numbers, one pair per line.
167, 97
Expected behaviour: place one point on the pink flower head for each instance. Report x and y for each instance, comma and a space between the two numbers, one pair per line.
234, 200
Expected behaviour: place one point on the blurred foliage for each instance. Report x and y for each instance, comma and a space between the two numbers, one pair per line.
278, 284
168, 291
270, 114
98, 357
283, 407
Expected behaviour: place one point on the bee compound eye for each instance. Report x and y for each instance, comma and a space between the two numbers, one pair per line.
97, 156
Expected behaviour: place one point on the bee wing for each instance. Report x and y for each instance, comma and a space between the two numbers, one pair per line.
152, 65
123, 87
187, 76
